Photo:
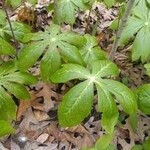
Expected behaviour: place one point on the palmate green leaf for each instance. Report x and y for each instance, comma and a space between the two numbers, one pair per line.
91, 51
139, 23
104, 68
51, 40
123, 94
143, 95
6, 48
12, 83
107, 106
70, 72
71, 111
147, 67
65, 10
13, 80
106, 89
5, 128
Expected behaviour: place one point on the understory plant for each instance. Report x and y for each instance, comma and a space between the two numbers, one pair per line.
68, 56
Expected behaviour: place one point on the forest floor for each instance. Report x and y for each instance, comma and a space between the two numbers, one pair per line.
37, 126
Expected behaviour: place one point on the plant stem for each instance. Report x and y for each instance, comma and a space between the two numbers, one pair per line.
121, 27
87, 29
10, 25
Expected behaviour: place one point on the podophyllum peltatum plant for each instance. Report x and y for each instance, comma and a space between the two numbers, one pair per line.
56, 44
139, 25
12, 82
77, 103
67, 56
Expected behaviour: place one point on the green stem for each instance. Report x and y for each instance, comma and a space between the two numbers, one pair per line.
121, 27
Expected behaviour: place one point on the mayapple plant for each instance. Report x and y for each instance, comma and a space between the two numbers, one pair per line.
67, 56
71, 111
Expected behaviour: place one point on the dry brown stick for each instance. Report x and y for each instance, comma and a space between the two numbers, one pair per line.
10, 25
121, 27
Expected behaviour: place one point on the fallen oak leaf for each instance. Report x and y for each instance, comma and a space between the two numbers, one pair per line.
47, 93
24, 105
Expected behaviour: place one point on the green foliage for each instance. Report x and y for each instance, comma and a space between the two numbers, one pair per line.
12, 82
56, 44
13, 3
147, 67
5, 128
83, 60
138, 23
20, 30
110, 3
71, 112
65, 10
143, 95
144, 146
103, 143
2, 18
6, 48
17, 3
91, 51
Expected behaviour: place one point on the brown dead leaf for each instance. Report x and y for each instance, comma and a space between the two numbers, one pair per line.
24, 105
40, 115
83, 140
47, 93
79, 129
42, 138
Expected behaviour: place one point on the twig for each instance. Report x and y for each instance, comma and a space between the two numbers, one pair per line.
121, 27
10, 25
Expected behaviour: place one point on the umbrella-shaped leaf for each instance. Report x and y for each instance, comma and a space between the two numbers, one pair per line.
139, 24
51, 40
91, 51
